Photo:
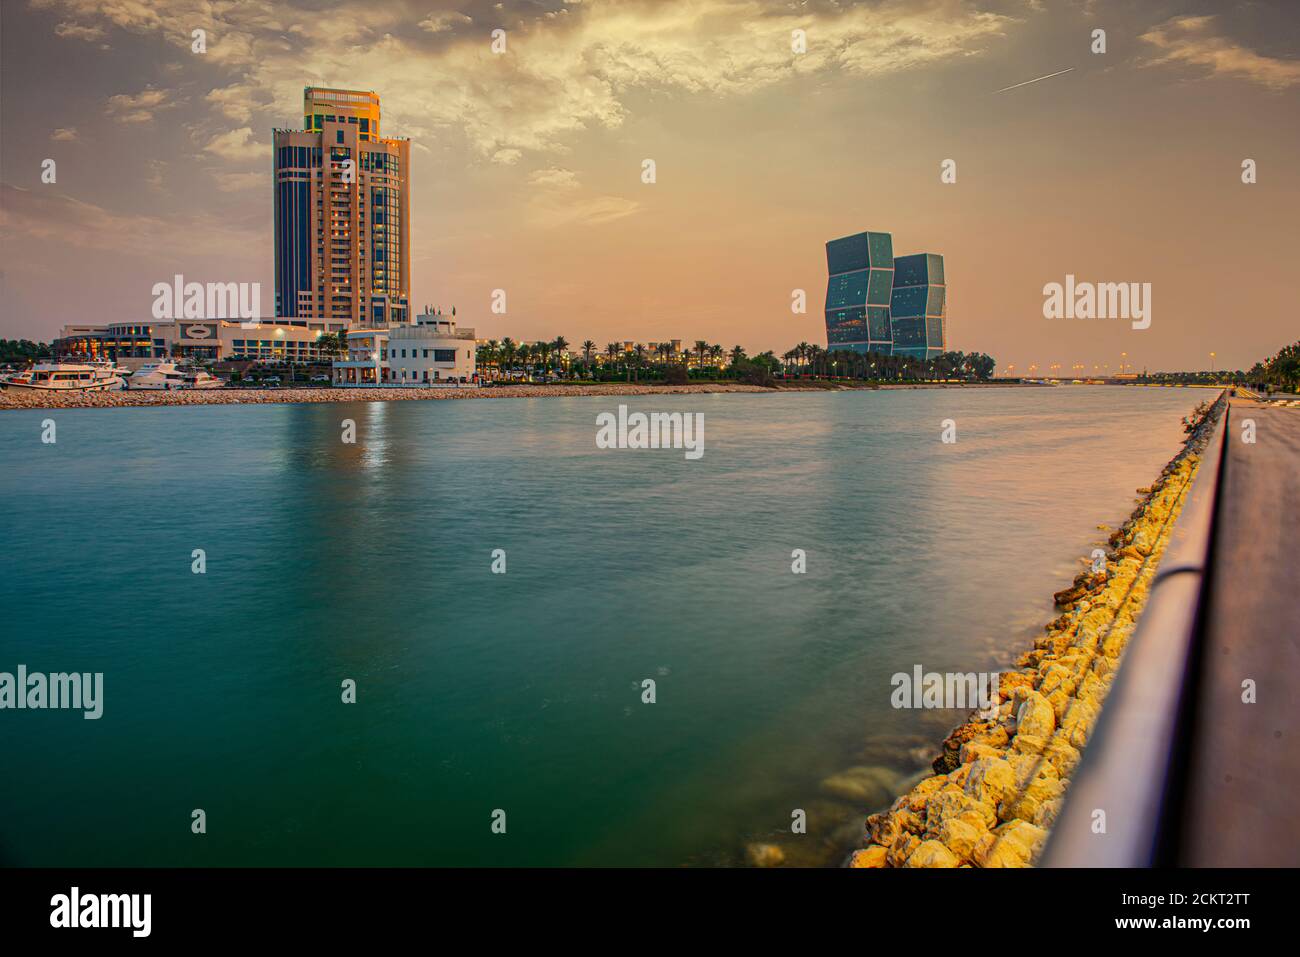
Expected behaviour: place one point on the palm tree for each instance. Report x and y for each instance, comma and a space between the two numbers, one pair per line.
508, 353
559, 345
737, 354
701, 347
588, 347
715, 353
638, 353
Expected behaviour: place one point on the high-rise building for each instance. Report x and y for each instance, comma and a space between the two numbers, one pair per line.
876, 303
342, 214
916, 308
861, 269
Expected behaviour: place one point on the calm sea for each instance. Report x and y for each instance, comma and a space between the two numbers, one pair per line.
523, 691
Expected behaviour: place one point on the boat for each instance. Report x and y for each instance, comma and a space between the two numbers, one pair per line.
66, 377
167, 376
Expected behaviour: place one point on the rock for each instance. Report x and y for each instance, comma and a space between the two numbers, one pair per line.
931, 854
991, 780
953, 802
1078, 721
1035, 716
901, 849
868, 787
873, 856
972, 750
960, 837
1015, 845
764, 855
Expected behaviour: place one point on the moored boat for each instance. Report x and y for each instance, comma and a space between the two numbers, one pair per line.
65, 377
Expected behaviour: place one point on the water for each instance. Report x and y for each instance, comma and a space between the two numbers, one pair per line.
522, 691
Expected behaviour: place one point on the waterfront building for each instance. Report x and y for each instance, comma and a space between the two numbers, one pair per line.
917, 306
133, 344
342, 214
860, 280
878, 303
429, 351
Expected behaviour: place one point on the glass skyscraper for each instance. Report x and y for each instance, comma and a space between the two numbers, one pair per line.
861, 269
876, 303
916, 307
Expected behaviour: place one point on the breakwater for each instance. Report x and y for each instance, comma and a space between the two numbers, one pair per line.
1000, 781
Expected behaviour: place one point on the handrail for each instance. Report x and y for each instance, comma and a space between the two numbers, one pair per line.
1128, 763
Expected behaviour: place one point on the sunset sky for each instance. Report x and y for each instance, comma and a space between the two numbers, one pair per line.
526, 166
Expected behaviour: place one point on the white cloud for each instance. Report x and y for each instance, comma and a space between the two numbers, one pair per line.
237, 146
64, 135
1192, 41
139, 107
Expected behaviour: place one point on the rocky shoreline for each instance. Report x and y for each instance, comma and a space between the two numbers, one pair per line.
998, 784
29, 399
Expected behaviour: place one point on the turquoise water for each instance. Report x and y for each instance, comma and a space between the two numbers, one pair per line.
522, 691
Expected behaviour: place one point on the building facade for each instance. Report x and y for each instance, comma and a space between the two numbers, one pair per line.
428, 352
877, 303
133, 344
342, 214
916, 308
860, 280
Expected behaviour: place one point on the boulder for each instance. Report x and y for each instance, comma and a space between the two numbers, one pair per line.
764, 855
873, 856
1035, 716
931, 854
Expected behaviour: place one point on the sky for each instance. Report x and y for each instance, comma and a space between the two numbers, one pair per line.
527, 165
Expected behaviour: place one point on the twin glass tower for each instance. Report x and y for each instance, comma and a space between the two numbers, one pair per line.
878, 303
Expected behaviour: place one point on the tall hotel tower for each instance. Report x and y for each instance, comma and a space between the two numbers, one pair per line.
342, 214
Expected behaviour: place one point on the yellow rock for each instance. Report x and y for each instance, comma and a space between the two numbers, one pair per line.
765, 855
991, 780
1035, 716
932, 854
873, 856
960, 837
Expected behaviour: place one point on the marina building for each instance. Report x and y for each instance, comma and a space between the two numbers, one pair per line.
133, 344
429, 351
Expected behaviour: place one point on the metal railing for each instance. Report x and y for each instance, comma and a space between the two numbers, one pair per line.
1132, 756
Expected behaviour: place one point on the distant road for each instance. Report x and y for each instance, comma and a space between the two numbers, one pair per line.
1240, 800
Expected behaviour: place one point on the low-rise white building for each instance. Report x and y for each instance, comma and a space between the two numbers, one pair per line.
428, 352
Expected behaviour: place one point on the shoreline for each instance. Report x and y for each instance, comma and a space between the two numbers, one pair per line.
32, 399
998, 784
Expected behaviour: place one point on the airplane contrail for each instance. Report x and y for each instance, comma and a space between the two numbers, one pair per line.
1027, 82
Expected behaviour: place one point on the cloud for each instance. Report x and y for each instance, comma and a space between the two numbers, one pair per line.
555, 201
64, 135
43, 215
139, 107
79, 32
236, 182
1192, 41
444, 21
554, 177
237, 146
564, 71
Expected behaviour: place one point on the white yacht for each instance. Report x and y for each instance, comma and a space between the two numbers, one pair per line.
66, 377
168, 376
